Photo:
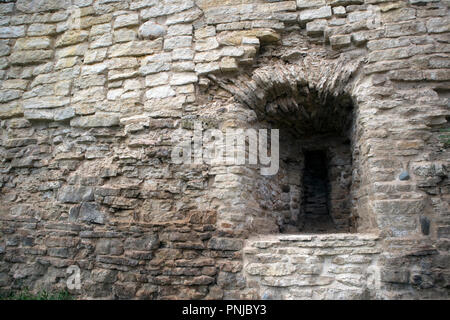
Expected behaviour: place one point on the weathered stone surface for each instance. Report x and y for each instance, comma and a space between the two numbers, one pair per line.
206, 44
205, 68
311, 3
45, 102
160, 92
126, 20
8, 95
178, 79
405, 28
134, 48
228, 64
10, 110
41, 5
151, 30
438, 25
316, 27
12, 32
73, 194
339, 41
311, 14
32, 43
235, 38
71, 37
177, 42
100, 119
104, 276
41, 29
39, 114
91, 110
30, 56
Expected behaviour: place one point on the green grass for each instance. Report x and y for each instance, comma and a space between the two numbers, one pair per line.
445, 138
41, 295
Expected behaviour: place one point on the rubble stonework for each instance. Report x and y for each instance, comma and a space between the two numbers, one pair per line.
92, 93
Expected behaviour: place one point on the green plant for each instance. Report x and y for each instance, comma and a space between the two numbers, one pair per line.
25, 294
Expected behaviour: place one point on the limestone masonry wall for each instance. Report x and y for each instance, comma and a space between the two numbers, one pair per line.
93, 92
332, 266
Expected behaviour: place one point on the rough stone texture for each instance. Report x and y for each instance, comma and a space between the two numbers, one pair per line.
332, 266
88, 106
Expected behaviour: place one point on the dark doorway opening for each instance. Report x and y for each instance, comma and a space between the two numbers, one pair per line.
316, 193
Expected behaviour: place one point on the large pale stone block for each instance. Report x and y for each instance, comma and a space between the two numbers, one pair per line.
270, 269
28, 6
30, 56
438, 25
41, 29
160, 92
316, 27
151, 30
45, 102
303, 4
39, 114
12, 32
126, 20
100, 119
183, 78
10, 110
311, 14
205, 68
32, 43
9, 95
71, 37
135, 48
177, 42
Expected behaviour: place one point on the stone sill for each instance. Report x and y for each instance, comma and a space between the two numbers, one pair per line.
316, 237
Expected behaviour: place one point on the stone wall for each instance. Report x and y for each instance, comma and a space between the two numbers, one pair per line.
282, 197
332, 266
91, 95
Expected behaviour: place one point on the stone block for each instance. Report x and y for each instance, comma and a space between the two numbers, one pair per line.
71, 37
177, 42
160, 92
438, 25
12, 32
228, 64
10, 110
270, 269
27, 6
225, 244
303, 4
183, 78
34, 43
126, 20
100, 119
312, 14
316, 27
206, 44
205, 68
298, 281
75, 194
135, 48
30, 56
41, 29
340, 41
406, 28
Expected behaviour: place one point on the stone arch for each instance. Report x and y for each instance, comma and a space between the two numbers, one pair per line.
265, 84
312, 94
